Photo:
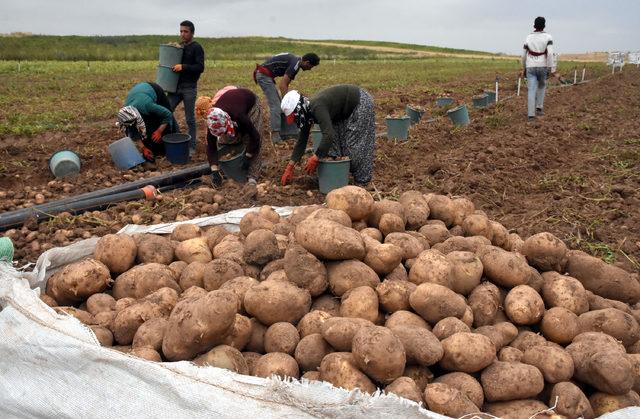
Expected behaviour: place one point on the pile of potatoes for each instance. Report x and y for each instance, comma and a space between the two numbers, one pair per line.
423, 297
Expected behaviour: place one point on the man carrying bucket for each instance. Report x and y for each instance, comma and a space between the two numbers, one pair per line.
147, 115
190, 69
538, 64
283, 65
346, 117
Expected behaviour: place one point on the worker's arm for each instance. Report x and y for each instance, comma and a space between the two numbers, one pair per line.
323, 118
284, 85
551, 64
301, 144
162, 112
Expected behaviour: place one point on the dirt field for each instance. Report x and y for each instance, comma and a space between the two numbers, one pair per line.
574, 172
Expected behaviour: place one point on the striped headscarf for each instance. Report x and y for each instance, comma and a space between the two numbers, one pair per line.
219, 123
129, 116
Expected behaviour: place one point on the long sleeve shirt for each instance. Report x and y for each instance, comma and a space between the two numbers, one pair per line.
327, 107
192, 64
144, 99
538, 43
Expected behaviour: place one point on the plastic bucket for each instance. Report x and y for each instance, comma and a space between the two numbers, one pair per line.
6, 249
333, 174
444, 101
398, 128
125, 154
414, 114
167, 79
170, 55
491, 97
480, 101
176, 147
459, 115
316, 137
64, 163
232, 167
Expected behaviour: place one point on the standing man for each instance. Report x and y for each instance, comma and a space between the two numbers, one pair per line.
285, 65
190, 69
538, 64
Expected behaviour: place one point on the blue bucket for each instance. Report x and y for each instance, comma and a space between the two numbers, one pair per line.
64, 163
176, 147
333, 174
480, 101
316, 137
6, 249
491, 97
232, 167
414, 114
459, 115
167, 79
444, 101
398, 128
125, 154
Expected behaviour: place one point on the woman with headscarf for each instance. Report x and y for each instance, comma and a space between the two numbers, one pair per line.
234, 119
147, 115
347, 120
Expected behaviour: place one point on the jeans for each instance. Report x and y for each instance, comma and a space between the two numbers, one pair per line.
537, 82
276, 118
187, 94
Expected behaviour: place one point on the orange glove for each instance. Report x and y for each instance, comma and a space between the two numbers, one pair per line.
148, 155
177, 68
156, 136
287, 176
312, 163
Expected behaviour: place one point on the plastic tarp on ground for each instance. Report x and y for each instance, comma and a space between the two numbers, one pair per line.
52, 365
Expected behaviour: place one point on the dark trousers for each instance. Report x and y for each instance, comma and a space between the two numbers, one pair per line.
188, 95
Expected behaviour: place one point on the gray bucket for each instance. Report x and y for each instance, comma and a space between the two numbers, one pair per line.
398, 128
414, 114
167, 79
333, 174
232, 167
459, 115
480, 101
444, 101
64, 163
316, 137
170, 55
491, 97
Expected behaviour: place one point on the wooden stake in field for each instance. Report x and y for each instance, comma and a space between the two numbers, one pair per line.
497, 82
575, 75
519, 80
584, 71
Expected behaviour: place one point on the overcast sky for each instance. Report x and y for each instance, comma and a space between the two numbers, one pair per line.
488, 25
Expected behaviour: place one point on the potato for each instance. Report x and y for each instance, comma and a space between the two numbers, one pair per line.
268, 213
500, 235
464, 383
327, 303
194, 250
553, 361
339, 369
545, 252
605, 280
411, 246
467, 317
613, 322
431, 266
353, 200
177, 268
184, 232
598, 303
123, 303
485, 302
514, 243
510, 354
349, 274
239, 334
379, 353
605, 403
371, 232
523, 305
196, 325
281, 337
251, 358
634, 359
564, 291
467, 352
223, 356
192, 292
150, 334
462, 244
125, 349
570, 401
466, 271
435, 231
526, 340
339, 331
154, 249
420, 375
256, 339
398, 274
117, 251
274, 301
501, 334
311, 376
461, 209
192, 275
305, 270
104, 335
157, 304
406, 318
100, 302
78, 281
383, 258
382, 207
254, 221
448, 326
337, 216
416, 209
214, 235
504, 268
310, 352
393, 295
142, 280
261, 247
516, 409
506, 381
442, 208
405, 387
312, 322
329, 240
477, 225
276, 363
49, 300
434, 302
230, 248
360, 302
447, 400
390, 223
239, 286
271, 267
421, 346
147, 353
219, 271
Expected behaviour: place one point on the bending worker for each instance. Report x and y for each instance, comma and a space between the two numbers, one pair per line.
236, 119
347, 120
283, 65
147, 115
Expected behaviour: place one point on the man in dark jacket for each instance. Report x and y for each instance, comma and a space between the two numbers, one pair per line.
190, 69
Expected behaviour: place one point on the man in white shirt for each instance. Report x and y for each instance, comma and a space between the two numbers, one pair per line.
538, 64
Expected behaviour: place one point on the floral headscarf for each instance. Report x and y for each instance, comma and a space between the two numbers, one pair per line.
219, 123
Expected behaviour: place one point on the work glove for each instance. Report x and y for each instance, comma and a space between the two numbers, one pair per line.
287, 176
311, 165
177, 68
148, 154
156, 136
216, 178
246, 163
